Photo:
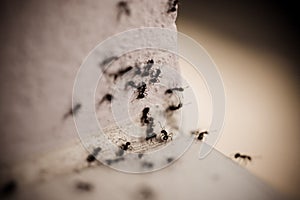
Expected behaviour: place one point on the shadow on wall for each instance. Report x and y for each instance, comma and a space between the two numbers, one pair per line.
266, 26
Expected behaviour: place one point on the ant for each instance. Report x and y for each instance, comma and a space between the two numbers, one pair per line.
165, 135
244, 157
126, 146
174, 107
147, 164
73, 111
92, 157
121, 72
144, 118
140, 155
123, 8
111, 161
149, 131
170, 159
150, 125
147, 68
171, 90
138, 70
124, 71
108, 97
200, 134
141, 90
172, 5
154, 77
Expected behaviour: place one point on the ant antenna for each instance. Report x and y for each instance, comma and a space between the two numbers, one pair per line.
160, 125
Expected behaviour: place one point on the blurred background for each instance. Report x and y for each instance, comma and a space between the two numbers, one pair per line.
255, 45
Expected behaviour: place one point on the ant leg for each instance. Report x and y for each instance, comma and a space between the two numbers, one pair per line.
171, 136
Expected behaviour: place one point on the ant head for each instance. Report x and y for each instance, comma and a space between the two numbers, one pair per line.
109, 97
142, 85
146, 109
150, 119
127, 143
237, 155
204, 132
168, 91
140, 96
151, 61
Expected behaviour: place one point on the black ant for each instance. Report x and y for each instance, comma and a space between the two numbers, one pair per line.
111, 161
172, 5
124, 71
92, 157
123, 8
108, 60
244, 157
149, 131
165, 135
174, 107
147, 68
170, 91
141, 90
154, 77
140, 155
170, 159
147, 164
73, 111
200, 134
126, 146
121, 72
108, 97
144, 118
